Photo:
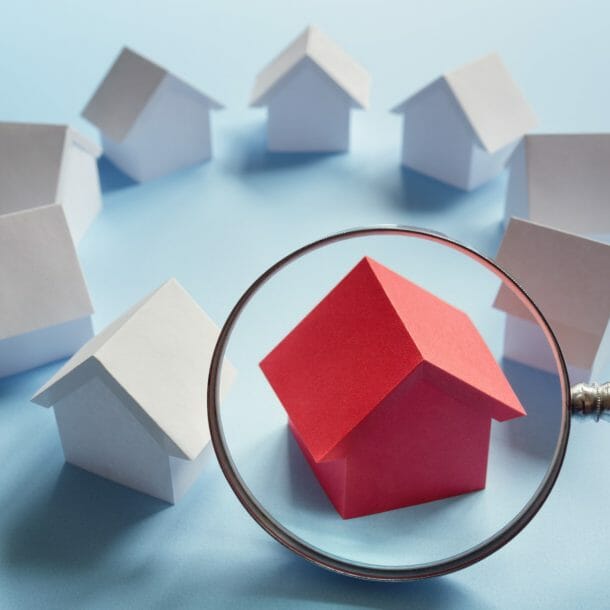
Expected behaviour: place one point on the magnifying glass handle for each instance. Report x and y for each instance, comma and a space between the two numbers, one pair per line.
591, 400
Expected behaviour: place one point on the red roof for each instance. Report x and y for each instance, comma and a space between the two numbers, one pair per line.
365, 337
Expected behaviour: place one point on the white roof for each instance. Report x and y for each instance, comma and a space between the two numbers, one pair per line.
42, 282
568, 179
32, 162
346, 73
566, 275
124, 93
155, 358
490, 100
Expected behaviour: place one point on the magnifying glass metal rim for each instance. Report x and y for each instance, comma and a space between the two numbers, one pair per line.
327, 560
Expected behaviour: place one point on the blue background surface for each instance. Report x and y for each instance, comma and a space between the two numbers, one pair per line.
69, 539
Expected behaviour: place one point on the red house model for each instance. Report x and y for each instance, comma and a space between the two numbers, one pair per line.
389, 392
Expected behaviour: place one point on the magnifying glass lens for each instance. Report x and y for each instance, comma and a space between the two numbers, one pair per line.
398, 408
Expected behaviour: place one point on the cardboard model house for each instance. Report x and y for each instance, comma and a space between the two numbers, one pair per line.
151, 122
568, 277
45, 310
309, 91
562, 180
130, 405
462, 128
45, 164
382, 373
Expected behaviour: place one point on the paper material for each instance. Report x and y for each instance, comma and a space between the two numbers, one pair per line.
558, 270
171, 134
562, 180
46, 164
152, 123
153, 364
313, 44
29, 350
439, 143
44, 290
309, 90
495, 107
525, 342
79, 189
463, 127
99, 435
294, 124
345, 373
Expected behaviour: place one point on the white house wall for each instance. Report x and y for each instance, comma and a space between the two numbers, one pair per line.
29, 350
569, 181
185, 472
525, 342
436, 139
517, 200
485, 166
79, 190
100, 435
172, 132
308, 113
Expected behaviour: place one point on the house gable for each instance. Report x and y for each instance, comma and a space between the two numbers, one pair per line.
556, 283
313, 44
155, 359
126, 90
171, 132
372, 331
399, 455
101, 436
437, 139
308, 112
492, 110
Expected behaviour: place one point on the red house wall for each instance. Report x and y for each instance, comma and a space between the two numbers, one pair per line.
400, 455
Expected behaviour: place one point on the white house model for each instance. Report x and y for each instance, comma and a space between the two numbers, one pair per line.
309, 91
562, 180
462, 128
45, 310
45, 164
130, 405
568, 277
151, 122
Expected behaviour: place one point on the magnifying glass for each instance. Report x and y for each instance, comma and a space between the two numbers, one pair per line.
382, 424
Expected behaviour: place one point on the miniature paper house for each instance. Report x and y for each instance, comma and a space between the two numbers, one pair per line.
562, 181
45, 311
383, 374
309, 91
130, 405
45, 164
462, 128
152, 123
568, 277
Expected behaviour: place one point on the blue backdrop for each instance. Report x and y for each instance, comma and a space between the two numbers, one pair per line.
69, 539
